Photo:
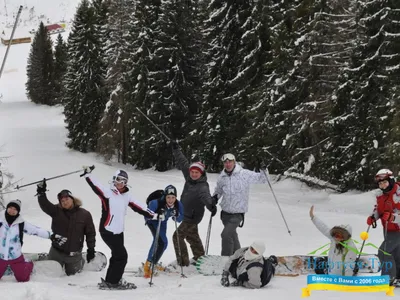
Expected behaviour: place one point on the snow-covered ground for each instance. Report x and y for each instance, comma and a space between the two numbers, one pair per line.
34, 136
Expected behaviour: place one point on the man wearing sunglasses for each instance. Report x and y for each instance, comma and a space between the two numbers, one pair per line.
387, 209
114, 203
233, 185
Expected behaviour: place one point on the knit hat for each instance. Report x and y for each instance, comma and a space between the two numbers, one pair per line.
64, 193
199, 166
259, 247
15, 203
170, 190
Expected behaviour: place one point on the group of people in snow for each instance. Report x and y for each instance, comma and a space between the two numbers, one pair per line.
342, 254
72, 224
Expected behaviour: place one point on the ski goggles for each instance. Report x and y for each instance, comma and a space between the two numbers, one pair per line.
119, 179
63, 194
227, 156
382, 177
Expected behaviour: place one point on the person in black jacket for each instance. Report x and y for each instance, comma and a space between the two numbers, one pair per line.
72, 221
195, 196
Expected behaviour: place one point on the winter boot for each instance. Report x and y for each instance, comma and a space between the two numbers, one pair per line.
160, 268
147, 269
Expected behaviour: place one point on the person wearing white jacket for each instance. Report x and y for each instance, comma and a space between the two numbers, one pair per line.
233, 186
12, 228
343, 252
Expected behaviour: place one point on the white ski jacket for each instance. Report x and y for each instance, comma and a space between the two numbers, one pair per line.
235, 189
114, 206
10, 245
338, 263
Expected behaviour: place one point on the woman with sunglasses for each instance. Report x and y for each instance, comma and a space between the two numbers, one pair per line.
114, 203
342, 252
387, 209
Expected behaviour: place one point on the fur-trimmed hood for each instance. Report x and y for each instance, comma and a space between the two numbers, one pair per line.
77, 202
345, 230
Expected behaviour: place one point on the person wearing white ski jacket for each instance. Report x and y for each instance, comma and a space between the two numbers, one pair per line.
233, 185
343, 252
11, 241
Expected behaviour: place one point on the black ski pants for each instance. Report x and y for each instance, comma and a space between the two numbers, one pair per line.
119, 256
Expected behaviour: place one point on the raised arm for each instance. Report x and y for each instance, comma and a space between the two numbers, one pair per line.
254, 177
322, 227
141, 209
34, 230
97, 187
182, 162
90, 231
46, 206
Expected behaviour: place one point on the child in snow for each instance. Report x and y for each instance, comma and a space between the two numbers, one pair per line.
11, 239
246, 266
343, 252
114, 203
167, 206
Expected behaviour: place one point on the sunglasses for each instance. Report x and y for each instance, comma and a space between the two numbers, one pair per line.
227, 156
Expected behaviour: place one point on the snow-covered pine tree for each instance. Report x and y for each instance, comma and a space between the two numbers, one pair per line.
40, 69
84, 81
141, 49
113, 125
365, 101
238, 50
173, 82
60, 67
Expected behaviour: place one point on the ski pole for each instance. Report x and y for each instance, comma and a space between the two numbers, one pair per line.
47, 179
208, 234
179, 248
356, 268
152, 123
276, 200
155, 246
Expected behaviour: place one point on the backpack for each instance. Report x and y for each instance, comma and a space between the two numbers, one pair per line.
21, 232
268, 271
159, 196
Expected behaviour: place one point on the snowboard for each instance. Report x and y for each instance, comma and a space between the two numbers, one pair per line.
287, 265
96, 265
171, 269
49, 268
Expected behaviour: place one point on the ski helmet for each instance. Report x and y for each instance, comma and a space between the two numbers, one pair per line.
120, 176
385, 174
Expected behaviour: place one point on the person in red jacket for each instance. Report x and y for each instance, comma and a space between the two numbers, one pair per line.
387, 209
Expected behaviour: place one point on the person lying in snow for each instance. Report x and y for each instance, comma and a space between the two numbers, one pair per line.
12, 227
249, 267
343, 252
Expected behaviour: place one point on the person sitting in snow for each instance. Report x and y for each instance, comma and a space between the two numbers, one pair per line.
249, 267
343, 252
12, 228
69, 219
166, 206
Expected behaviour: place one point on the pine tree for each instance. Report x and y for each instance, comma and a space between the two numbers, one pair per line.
60, 67
365, 100
239, 48
84, 81
113, 125
40, 69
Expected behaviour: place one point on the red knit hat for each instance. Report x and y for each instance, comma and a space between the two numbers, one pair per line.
199, 166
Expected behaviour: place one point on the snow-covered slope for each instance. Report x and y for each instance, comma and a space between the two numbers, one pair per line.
34, 136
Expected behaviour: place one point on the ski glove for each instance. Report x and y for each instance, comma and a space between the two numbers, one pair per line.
370, 220
87, 170
215, 199
58, 239
41, 187
388, 217
225, 278
213, 210
90, 254
237, 283
159, 217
